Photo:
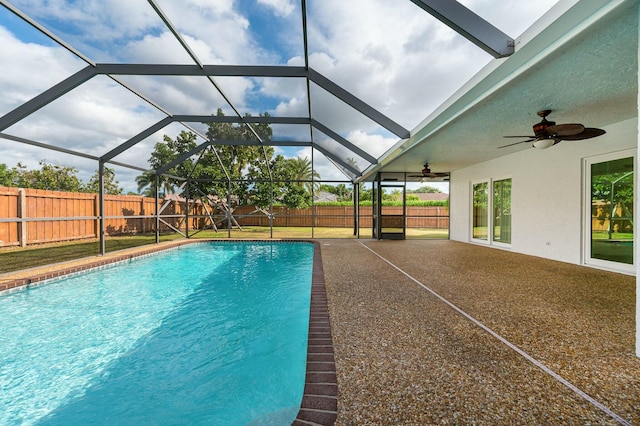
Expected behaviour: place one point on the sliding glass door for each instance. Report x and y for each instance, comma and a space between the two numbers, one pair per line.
480, 228
502, 211
491, 215
610, 211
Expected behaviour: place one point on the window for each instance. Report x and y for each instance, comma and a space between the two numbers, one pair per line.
609, 225
494, 228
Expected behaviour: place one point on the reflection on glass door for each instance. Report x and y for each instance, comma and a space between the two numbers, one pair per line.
612, 205
481, 211
502, 211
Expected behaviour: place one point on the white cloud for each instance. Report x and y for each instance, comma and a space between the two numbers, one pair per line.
23, 74
218, 25
280, 7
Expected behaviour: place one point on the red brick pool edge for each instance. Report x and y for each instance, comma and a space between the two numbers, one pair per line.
320, 401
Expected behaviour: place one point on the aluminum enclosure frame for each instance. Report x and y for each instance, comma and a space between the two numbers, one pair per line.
450, 12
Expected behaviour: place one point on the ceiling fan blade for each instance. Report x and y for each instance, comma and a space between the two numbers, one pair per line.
516, 143
587, 133
563, 130
430, 175
521, 136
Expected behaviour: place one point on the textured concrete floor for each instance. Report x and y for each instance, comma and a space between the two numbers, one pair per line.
404, 356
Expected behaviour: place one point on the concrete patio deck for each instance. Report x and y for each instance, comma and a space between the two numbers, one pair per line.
561, 352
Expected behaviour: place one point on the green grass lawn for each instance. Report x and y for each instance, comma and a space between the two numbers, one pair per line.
17, 258
604, 235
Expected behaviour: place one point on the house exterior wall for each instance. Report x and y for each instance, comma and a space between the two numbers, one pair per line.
547, 193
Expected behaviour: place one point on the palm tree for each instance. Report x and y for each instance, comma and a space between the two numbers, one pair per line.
302, 170
147, 180
352, 162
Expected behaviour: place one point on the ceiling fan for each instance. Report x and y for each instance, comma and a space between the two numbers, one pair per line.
548, 133
427, 173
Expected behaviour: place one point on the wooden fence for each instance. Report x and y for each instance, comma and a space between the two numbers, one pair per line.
341, 216
33, 216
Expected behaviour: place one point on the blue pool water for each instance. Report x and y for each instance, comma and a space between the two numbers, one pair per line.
210, 334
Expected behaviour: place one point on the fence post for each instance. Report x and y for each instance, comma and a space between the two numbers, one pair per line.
22, 214
142, 213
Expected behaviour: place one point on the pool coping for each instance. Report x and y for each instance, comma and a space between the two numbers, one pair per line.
319, 404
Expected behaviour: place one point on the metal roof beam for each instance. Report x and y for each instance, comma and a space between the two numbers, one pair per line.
46, 97
174, 31
358, 104
204, 119
47, 146
266, 143
342, 141
244, 119
469, 25
204, 71
45, 31
182, 157
66, 151
337, 159
137, 138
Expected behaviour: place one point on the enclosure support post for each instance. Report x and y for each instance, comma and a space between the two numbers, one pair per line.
313, 197
228, 209
356, 209
101, 206
157, 203
271, 210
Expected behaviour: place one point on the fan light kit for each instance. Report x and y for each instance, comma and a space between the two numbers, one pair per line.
548, 133
427, 173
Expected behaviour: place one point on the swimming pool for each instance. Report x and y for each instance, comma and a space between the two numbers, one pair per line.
205, 334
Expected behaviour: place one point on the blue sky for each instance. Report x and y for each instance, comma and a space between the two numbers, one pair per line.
392, 55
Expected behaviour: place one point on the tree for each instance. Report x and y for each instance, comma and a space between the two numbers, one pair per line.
341, 191
237, 161
7, 175
108, 179
164, 153
615, 192
425, 190
302, 170
50, 176
365, 194
250, 172
284, 189
146, 184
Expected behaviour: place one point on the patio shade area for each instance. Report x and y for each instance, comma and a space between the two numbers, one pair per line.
404, 356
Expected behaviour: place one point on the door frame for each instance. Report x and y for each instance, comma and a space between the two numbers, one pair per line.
587, 216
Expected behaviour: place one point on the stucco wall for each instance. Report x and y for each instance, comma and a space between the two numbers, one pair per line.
547, 192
